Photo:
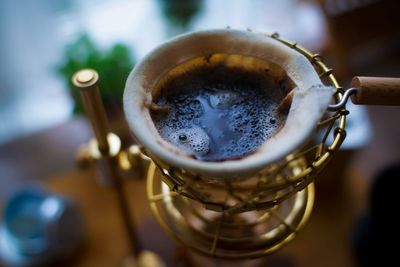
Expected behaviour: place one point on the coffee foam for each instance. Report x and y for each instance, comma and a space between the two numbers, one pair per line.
192, 140
215, 119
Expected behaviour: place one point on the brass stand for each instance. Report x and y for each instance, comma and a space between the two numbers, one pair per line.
105, 152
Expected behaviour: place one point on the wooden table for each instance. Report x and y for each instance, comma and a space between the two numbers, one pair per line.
48, 158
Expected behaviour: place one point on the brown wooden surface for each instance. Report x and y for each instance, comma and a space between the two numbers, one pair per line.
376, 91
106, 243
37, 157
325, 241
48, 158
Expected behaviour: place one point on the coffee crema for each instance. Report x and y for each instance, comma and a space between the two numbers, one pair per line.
216, 112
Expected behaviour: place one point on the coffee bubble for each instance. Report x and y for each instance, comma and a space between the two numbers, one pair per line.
191, 140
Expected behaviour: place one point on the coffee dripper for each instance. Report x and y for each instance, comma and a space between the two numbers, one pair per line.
238, 209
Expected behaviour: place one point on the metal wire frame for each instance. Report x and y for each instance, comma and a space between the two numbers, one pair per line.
178, 224
251, 196
270, 188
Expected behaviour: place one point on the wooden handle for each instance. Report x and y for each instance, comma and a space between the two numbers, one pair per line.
376, 91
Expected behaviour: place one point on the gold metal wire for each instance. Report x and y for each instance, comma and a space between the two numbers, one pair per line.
174, 193
178, 229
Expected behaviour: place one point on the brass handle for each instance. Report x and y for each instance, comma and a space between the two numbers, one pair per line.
376, 91
86, 81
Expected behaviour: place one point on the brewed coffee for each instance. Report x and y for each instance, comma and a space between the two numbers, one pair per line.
217, 113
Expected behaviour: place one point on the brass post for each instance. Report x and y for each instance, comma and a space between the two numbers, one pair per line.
86, 81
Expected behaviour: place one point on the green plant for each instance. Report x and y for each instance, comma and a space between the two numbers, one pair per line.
113, 66
180, 13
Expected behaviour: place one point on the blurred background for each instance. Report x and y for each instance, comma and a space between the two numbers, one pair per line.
43, 42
